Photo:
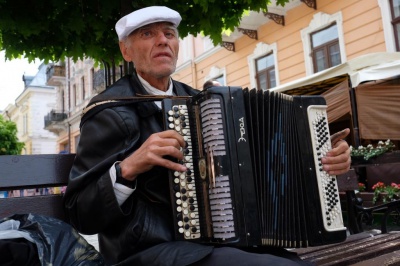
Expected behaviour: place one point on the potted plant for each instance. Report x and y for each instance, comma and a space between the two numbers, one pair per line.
385, 193
365, 153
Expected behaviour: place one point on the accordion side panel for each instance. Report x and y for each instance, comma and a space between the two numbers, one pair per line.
325, 222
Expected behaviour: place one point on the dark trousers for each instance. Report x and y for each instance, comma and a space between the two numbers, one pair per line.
232, 256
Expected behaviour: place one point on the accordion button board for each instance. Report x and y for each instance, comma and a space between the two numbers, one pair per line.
328, 189
187, 215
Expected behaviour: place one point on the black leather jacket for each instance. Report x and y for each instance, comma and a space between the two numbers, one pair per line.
140, 231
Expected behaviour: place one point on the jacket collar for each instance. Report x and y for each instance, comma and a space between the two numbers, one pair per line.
146, 109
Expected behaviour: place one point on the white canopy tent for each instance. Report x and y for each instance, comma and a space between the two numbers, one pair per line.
375, 66
365, 90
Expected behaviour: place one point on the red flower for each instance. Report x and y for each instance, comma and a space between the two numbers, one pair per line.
378, 185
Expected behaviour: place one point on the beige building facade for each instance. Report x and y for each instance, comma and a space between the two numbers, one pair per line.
357, 27
265, 51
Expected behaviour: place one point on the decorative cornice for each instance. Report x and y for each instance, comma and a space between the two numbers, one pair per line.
251, 33
230, 46
310, 3
279, 19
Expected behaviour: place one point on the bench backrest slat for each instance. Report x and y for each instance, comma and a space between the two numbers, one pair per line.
34, 171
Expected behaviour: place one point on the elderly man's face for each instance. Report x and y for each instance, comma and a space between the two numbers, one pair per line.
153, 49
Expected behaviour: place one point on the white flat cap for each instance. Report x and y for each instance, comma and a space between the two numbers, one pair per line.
145, 16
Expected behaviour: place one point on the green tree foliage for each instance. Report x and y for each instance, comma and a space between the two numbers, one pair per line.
9, 144
51, 30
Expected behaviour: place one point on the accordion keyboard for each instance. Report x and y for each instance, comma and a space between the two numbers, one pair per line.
187, 217
327, 184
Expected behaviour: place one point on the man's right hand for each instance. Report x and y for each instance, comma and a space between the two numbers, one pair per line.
153, 152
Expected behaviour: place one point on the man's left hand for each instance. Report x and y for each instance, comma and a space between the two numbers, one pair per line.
337, 161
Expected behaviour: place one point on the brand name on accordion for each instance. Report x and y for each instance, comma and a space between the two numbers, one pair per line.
242, 130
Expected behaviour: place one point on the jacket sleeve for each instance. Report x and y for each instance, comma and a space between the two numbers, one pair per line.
90, 201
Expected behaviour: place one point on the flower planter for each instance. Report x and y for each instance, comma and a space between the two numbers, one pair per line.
367, 198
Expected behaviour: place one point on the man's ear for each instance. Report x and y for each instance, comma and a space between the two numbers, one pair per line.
124, 51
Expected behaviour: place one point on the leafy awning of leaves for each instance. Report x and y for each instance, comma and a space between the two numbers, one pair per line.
51, 30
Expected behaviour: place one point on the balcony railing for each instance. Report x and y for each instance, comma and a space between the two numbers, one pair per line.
53, 121
55, 74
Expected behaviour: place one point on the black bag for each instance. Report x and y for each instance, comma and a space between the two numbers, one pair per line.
30, 239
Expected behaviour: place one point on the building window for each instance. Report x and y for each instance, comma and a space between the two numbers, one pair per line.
218, 74
325, 48
265, 72
75, 96
76, 139
25, 124
395, 10
221, 80
62, 101
323, 42
92, 80
83, 88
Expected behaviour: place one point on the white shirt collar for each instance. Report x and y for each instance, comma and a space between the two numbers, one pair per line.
153, 91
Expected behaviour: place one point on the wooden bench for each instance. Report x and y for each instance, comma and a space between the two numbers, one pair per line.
24, 172
52, 170
363, 248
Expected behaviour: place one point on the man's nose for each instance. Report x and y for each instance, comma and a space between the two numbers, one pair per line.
161, 38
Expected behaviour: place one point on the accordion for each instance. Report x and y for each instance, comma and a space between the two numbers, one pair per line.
254, 170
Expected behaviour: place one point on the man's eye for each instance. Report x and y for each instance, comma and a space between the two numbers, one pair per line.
146, 33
